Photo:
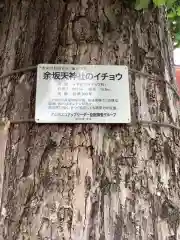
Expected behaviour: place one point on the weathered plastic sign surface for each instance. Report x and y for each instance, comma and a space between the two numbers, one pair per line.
82, 94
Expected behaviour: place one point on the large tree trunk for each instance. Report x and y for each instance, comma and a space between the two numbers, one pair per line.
81, 182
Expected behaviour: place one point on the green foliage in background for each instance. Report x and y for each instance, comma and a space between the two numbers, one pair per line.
173, 10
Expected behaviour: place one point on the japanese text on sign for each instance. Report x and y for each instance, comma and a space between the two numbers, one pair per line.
82, 94
81, 76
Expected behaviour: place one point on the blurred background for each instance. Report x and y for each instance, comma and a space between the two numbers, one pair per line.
177, 65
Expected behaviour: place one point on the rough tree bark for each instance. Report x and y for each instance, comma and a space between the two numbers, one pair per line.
83, 182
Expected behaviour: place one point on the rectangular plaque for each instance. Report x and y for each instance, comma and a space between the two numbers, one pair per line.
68, 93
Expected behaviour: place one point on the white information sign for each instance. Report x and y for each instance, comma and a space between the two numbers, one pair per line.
82, 94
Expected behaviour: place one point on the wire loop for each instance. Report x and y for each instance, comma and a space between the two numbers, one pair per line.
144, 122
